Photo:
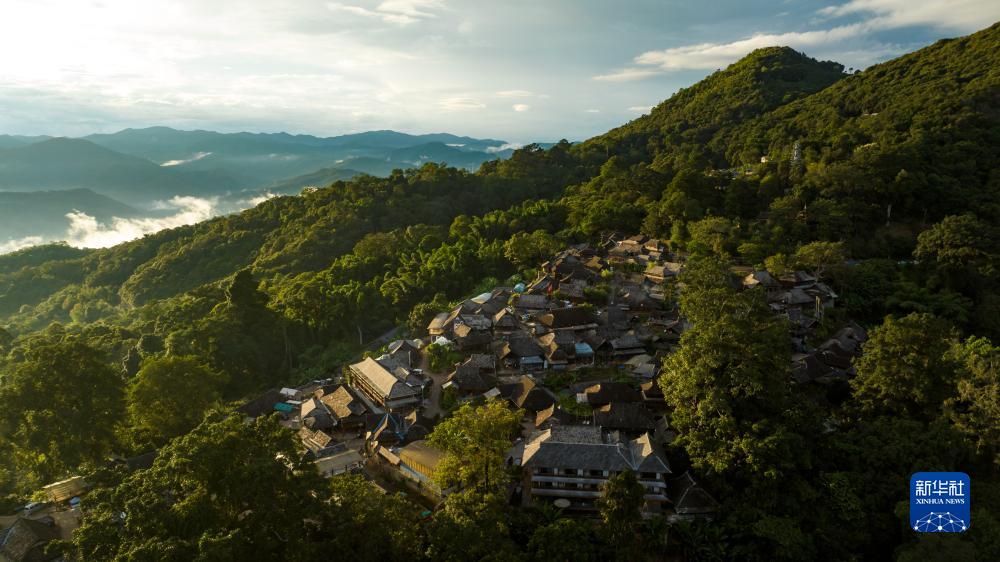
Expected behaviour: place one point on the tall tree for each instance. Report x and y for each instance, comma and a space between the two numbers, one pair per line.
620, 505
906, 368
59, 407
729, 383
170, 395
228, 490
475, 441
975, 408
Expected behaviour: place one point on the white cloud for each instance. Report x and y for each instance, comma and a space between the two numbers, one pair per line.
254, 201
626, 75
591, 110
461, 104
399, 12
954, 15
86, 232
502, 147
14, 245
875, 16
640, 108
515, 94
520, 107
197, 156
716, 55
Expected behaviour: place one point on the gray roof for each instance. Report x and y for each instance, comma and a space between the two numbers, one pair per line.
537, 302
386, 382
688, 497
624, 415
587, 448
343, 403
24, 540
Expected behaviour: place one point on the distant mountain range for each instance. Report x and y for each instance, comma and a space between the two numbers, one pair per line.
43, 213
124, 174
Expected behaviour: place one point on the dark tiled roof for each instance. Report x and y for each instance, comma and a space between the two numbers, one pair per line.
25, 539
688, 497
608, 392
344, 404
534, 302
567, 317
585, 448
632, 416
261, 405
527, 394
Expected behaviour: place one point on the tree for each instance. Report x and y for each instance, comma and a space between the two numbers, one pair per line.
564, 540
228, 490
779, 264
528, 250
475, 441
729, 384
711, 235
422, 314
169, 396
905, 368
59, 407
975, 408
817, 257
620, 505
472, 526
959, 243
370, 526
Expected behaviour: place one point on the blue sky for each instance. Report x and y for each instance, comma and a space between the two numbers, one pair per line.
515, 70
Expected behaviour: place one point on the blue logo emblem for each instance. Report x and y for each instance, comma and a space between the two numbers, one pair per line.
939, 502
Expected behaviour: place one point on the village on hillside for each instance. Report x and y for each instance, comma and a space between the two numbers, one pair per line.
578, 351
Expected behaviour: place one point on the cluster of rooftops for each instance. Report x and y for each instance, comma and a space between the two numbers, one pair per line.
592, 309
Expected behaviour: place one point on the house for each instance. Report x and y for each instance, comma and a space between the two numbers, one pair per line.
389, 430
652, 392
262, 405
474, 376
531, 304
626, 346
418, 461
521, 352
689, 500
314, 414
319, 444
440, 325
572, 318
656, 273
348, 410
761, 279
25, 540
559, 348
572, 463
505, 322
604, 393
528, 395
555, 415
339, 463
628, 417
467, 336
66, 489
392, 389
405, 352
797, 279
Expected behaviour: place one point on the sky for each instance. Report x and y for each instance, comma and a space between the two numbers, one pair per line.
515, 70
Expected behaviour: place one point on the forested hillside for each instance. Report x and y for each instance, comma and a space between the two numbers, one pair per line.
896, 167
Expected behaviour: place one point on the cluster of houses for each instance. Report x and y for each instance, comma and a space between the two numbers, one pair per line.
803, 300
601, 309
